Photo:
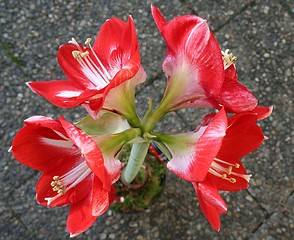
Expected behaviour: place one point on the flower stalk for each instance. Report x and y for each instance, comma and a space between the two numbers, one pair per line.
137, 157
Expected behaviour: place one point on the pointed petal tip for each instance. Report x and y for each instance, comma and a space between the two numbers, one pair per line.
29, 84
10, 149
72, 235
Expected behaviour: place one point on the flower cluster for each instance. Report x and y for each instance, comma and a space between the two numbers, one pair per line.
79, 162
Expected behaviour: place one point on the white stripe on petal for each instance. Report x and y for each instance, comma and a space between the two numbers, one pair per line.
68, 94
57, 143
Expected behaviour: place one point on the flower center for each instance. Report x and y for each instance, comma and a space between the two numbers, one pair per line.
228, 58
61, 184
95, 71
224, 170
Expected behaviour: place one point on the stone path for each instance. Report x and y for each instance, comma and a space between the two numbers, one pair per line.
258, 32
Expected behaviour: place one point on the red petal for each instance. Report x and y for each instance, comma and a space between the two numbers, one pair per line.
208, 146
234, 96
90, 150
39, 121
116, 42
262, 112
242, 137
61, 93
80, 217
40, 147
100, 198
211, 203
158, 18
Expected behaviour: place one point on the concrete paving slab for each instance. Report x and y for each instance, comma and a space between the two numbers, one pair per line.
259, 32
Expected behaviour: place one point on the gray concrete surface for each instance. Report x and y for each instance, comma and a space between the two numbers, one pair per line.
259, 32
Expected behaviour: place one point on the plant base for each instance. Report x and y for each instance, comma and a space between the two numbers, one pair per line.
143, 190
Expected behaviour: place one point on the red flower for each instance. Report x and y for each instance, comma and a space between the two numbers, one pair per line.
199, 73
210, 158
94, 71
193, 61
72, 167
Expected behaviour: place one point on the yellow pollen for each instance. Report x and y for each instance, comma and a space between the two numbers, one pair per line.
230, 168
232, 180
88, 41
237, 165
57, 185
84, 54
228, 58
79, 55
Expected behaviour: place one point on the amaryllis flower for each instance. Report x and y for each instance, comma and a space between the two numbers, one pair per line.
199, 73
93, 71
210, 158
193, 61
73, 169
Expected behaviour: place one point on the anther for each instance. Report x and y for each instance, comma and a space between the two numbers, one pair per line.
233, 180
228, 58
230, 168
88, 41
57, 185
84, 54
77, 55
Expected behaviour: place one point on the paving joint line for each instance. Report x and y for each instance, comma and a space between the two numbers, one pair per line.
231, 18
18, 217
269, 215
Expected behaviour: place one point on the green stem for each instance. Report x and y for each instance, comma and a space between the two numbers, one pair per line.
137, 157
154, 118
134, 121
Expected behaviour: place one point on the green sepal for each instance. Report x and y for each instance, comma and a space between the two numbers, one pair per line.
107, 123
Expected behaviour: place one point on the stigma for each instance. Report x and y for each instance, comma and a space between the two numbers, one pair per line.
225, 170
228, 58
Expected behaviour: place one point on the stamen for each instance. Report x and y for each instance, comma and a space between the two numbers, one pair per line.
94, 73
61, 184
245, 176
104, 70
57, 185
88, 41
232, 180
77, 55
222, 172
236, 165
228, 58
